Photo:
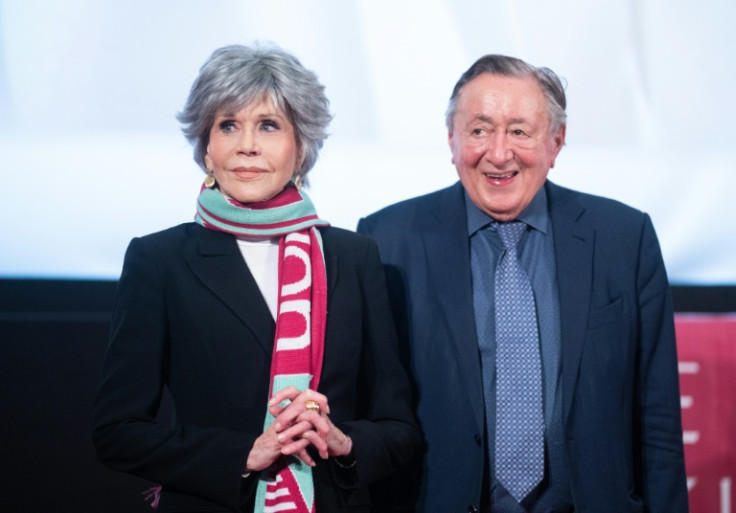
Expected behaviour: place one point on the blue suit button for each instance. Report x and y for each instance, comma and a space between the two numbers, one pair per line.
472, 509
478, 440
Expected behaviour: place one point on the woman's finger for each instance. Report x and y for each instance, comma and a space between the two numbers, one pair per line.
298, 448
319, 443
288, 393
321, 423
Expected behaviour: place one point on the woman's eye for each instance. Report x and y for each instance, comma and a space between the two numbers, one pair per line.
227, 126
269, 125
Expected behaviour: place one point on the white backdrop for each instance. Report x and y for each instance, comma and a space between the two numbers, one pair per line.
91, 153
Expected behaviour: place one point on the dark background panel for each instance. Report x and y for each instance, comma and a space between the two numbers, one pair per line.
712, 299
53, 335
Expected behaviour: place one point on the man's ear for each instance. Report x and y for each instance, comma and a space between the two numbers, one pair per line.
451, 142
557, 142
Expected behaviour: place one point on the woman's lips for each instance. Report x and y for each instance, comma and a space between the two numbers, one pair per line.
248, 172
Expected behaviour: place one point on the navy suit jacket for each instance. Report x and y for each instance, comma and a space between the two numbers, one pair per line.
621, 413
189, 317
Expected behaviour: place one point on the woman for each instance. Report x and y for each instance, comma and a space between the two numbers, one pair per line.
279, 406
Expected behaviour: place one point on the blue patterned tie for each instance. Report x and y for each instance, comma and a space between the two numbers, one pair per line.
519, 417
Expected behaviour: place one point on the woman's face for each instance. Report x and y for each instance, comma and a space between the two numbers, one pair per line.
253, 152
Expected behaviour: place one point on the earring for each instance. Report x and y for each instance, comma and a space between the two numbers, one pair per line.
298, 182
209, 181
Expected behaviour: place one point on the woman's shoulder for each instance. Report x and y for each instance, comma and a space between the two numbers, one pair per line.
349, 247
343, 238
178, 238
167, 236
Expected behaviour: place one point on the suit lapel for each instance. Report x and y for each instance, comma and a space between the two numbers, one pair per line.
215, 259
445, 240
574, 244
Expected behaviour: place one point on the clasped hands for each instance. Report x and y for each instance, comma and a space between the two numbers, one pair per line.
295, 428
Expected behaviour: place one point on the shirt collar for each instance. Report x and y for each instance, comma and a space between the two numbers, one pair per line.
535, 214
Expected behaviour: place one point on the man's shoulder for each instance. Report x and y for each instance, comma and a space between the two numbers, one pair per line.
592, 204
407, 210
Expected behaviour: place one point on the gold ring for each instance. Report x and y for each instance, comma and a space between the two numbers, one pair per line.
312, 406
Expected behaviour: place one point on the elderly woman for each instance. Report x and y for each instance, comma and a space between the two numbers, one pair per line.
270, 329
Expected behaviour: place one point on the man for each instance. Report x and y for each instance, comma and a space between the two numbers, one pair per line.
592, 344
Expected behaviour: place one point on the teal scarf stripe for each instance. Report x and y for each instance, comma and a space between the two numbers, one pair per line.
214, 209
204, 219
302, 472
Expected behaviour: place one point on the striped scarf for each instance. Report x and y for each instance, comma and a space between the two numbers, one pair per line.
286, 486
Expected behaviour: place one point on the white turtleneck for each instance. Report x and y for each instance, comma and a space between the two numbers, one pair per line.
262, 257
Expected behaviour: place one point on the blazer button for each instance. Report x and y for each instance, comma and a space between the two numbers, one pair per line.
472, 509
477, 440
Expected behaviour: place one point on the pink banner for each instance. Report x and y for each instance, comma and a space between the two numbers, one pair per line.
706, 346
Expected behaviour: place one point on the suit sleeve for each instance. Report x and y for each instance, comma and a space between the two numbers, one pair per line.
201, 461
385, 436
661, 450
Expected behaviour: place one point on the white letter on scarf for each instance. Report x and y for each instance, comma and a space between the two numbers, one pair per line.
300, 306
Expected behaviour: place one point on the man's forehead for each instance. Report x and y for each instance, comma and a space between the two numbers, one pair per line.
491, 120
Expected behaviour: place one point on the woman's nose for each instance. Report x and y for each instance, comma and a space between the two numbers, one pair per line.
248, 143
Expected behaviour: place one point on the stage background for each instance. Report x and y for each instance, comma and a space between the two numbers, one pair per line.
91, 155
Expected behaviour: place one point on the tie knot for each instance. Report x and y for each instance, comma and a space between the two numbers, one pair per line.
511, 233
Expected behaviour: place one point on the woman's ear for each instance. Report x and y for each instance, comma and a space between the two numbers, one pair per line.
300, 159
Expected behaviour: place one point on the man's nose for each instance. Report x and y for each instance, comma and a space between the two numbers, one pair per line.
499, 151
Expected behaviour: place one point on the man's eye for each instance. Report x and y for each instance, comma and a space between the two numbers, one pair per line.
518, 132
477, 131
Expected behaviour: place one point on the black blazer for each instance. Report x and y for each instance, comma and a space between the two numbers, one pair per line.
189, 317
621, 410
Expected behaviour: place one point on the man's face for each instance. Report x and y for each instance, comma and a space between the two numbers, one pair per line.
501, 144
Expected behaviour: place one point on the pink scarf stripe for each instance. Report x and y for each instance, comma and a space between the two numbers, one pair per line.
299, 343
258, 236
319, 307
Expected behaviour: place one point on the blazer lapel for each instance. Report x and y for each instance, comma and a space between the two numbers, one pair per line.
446, 241
215, 259
331, 264
574, 244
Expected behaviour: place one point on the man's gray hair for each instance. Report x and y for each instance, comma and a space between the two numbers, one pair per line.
548, 81
236, 76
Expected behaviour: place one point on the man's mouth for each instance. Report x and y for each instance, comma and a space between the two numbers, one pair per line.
501, 176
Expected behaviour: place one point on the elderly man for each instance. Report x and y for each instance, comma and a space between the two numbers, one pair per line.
537, 320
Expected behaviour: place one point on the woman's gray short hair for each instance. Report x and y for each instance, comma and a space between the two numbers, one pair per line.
548, 81
235, 76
